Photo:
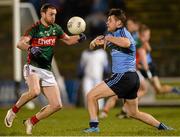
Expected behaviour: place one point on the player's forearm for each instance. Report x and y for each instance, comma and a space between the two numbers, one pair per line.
71, 40
119, 41
142, 55
23, 46
147, 46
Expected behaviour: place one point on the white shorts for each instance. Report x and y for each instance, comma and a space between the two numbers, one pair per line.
46, 77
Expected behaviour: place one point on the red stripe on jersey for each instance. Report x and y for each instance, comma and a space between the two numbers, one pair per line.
44, 41
62, 36
29, 58
137, 59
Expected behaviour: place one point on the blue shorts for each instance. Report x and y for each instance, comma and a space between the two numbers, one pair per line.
125, 85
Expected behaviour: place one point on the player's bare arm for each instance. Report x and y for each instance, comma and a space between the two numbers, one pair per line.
71, 40
119, 41
23, 43
147, 46
142, 55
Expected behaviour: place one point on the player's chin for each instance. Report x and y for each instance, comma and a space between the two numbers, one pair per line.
51, 22
109, 29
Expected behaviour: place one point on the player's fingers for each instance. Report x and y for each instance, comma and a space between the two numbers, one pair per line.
105, 42
99, 42
100, 37
92, 45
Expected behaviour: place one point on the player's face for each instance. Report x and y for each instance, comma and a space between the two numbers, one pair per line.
112, 23
50, 16
132, 27
145, 36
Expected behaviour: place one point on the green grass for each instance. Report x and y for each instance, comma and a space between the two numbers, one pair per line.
71, 122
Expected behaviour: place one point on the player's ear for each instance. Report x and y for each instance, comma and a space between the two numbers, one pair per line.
119, 23
42, 14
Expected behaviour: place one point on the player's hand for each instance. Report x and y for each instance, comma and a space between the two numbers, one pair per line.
82, 37
35, 51
92, 44
97, 42
100, 40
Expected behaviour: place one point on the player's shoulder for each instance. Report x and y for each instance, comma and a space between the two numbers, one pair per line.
33, 26
36, 24
125, 33
57, 26
122, 31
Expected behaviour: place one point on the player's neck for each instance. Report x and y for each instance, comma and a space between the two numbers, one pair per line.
44, 22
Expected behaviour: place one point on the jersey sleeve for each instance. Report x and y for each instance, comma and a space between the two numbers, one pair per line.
124, 33
60, 33
138, 43
121, 33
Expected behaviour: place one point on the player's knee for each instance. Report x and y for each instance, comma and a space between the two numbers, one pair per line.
57, 107
33, 94
132, 113
34, 91
159, 90
91, 96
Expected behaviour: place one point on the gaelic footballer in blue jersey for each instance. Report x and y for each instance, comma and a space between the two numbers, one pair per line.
124, 81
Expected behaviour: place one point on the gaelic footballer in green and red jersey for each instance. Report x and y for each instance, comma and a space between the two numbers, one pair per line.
44, 38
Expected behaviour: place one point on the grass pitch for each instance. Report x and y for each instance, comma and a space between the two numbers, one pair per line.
71, 122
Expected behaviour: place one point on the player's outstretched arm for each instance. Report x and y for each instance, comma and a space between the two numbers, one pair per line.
147, 46
143, 59
71, 40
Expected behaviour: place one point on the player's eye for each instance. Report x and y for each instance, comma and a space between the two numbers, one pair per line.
52, 14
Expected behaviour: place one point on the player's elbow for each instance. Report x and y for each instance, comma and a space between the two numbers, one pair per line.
127, 44
18, 45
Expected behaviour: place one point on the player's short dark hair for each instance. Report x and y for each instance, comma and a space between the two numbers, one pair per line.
143, 28
119, 14
134, 19
46, 6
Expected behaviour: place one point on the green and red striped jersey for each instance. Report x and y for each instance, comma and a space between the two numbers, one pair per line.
45, 38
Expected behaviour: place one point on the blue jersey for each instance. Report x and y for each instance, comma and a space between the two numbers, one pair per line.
135, 35
149, 58
123, 59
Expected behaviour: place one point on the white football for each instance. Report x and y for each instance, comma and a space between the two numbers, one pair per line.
76, 25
